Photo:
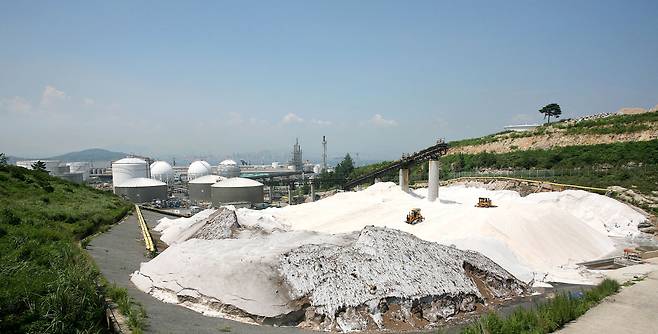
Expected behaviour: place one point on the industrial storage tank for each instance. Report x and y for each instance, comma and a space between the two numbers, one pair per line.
142, 190
128, 168
82, 167
162, 171
236, 190
52, 166
199, 189
197, 169
228, 168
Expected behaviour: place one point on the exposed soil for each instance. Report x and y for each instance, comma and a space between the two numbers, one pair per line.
555, 137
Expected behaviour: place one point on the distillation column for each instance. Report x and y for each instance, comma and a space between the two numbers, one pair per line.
433, 182
404, 179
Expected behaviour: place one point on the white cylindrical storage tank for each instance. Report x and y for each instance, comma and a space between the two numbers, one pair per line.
51, 165
197, 169
199, 189
128, 168
82, 167
228, 168
162, 171
236, 190
275, 164
142, 190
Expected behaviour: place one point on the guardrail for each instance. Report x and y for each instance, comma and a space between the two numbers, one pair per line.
148, 240
563, 185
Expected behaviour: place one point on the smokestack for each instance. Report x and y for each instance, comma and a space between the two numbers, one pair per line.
324, 153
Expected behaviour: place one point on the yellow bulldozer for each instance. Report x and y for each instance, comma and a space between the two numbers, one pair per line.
414, 217
484, 202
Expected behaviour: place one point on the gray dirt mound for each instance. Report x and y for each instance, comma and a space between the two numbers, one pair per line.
388, 276
222, 224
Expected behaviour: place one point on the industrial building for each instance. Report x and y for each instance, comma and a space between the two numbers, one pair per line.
237, 190
197, 169
296, 161
162, 171
83, 168
228, 169
58, 169
141, 190
199, 189
128, 168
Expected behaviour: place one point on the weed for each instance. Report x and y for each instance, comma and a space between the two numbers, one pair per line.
546, 317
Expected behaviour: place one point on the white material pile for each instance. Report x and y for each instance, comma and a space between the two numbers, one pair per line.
383, 265
323, 257
541, 236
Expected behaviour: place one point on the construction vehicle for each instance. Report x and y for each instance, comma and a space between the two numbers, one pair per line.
414, 217
484, 202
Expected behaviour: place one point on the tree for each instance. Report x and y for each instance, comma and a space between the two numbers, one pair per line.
549, 110
345, 167
39, 166
3, 159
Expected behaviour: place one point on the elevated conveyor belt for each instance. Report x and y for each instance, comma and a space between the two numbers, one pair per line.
430, 153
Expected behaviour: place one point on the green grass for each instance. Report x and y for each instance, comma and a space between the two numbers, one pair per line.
48, 284
617, 154
612, 125
546, 317
134, 312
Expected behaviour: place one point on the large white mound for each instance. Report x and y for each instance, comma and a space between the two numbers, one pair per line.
540, 236
274, 263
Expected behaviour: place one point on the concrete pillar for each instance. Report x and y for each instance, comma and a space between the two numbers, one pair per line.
433, 182
312, 192
404, 179
289, 195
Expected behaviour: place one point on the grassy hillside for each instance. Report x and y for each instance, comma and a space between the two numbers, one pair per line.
633, 165
616, 124
47, 282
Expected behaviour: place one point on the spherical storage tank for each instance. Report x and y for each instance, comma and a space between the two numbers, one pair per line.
142, 190
197, 169
162, 171
228, 168
128, 168
236, 190
199, 189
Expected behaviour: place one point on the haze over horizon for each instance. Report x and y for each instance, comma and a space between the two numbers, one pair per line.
375, 77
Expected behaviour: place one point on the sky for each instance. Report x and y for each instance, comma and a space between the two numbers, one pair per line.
378, 78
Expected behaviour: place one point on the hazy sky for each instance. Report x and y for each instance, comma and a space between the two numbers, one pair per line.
379, 78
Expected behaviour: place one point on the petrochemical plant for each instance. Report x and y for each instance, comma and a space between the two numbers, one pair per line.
200, 184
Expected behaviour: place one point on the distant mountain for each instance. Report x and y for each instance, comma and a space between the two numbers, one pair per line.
94, 154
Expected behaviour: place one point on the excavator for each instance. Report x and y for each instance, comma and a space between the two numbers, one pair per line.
414, 217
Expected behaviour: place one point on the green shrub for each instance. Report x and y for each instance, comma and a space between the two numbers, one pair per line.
8, 217
546, 317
